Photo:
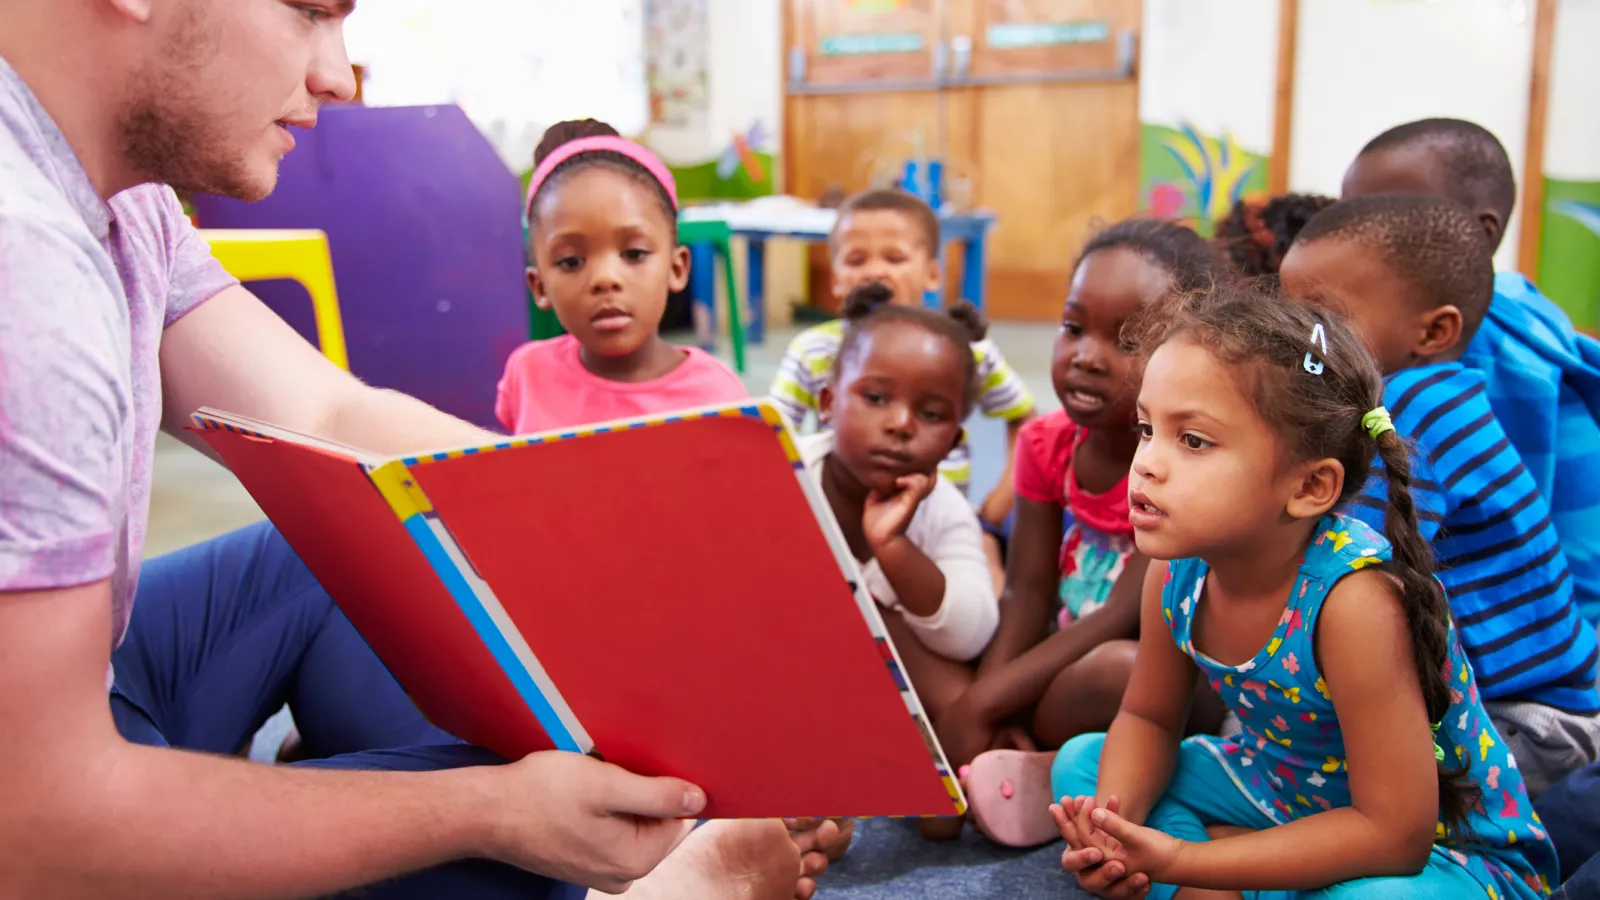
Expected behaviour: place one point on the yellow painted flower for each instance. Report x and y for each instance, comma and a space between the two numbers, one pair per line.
1273, 645
1322, 687
1340, 539
1484, 743
1361, 562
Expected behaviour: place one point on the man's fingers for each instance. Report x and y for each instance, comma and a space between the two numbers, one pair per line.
657, 798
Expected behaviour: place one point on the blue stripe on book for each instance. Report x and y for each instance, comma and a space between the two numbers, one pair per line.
435, 553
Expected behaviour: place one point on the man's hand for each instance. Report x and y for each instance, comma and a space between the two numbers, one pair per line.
885, 516
583, 821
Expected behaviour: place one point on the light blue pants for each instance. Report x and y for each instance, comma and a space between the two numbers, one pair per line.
1201, 794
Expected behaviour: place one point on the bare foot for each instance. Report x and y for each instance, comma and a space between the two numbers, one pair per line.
1009, 795
743, 859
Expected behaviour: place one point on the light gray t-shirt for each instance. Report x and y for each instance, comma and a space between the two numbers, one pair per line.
86, 288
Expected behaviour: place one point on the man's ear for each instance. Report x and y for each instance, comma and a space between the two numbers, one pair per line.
536, 286
1441, 331
1317, 490
825, 403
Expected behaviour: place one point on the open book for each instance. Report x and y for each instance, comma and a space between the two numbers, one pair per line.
670, 594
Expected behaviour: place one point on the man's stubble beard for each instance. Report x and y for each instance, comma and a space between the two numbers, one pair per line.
172, 133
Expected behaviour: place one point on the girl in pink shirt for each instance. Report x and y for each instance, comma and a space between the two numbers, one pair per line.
1069, 617
602, 240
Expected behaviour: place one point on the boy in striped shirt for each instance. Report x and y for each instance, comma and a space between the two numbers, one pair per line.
1416, 277
892, 237
1543, 378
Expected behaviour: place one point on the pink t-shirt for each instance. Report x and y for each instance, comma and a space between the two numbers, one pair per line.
545, 387
1098, 541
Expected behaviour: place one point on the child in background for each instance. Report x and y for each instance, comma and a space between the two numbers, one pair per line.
1415, 276
1084, 579
892, 238
902, 384
1543, 377
1367, 766
1256, 234
603, 241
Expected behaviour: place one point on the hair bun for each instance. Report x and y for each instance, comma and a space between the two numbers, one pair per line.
969, 317
570, 130
864, 298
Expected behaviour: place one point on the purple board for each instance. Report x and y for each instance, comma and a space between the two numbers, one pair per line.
424, 222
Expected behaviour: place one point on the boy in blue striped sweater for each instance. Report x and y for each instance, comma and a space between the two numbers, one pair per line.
1543, 378
1416, 277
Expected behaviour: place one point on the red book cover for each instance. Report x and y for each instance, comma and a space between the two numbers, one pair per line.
670, 595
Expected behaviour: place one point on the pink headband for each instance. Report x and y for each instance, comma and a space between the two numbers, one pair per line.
605, 143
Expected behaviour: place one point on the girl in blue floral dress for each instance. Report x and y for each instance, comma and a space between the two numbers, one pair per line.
1366, 766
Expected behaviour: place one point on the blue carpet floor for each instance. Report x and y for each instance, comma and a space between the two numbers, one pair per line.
889, 859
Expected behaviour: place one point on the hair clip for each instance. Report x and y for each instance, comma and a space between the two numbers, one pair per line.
1320, 339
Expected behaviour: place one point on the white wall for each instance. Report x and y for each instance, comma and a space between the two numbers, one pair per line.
745, 62
1367, 65
1213, 64
514, 66
1572, 136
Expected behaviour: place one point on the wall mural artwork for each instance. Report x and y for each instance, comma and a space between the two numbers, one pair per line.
1197, 177
1569, 255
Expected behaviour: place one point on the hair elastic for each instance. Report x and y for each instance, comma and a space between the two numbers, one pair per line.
1377, 422
602, 144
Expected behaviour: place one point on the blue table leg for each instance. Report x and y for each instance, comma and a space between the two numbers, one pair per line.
973, 283
703, 291
756, 273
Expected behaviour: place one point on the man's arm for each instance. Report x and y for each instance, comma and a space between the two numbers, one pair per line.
87, 814
233, 353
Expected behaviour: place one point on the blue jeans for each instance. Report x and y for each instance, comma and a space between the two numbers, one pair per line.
1571, 813
226, 632
1201, 794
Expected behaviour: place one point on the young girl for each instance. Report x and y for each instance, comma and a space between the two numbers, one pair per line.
891, 237
901, 387
603, 243
1367, 766
902, 384
1082, 579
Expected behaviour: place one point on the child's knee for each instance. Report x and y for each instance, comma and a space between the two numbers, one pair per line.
1076, 767
1103, 672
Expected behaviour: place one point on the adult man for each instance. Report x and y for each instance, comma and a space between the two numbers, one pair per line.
114, 321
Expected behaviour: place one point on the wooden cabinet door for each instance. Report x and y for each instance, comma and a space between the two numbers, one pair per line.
1009, 41
844, 42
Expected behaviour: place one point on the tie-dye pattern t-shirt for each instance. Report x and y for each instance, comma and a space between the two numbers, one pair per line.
86, 289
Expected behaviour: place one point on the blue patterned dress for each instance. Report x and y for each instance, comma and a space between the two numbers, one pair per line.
1289, 758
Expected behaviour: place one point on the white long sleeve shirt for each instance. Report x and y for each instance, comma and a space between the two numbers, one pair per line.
946, 529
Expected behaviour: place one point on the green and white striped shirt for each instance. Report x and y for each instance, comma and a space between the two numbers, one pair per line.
808, 366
